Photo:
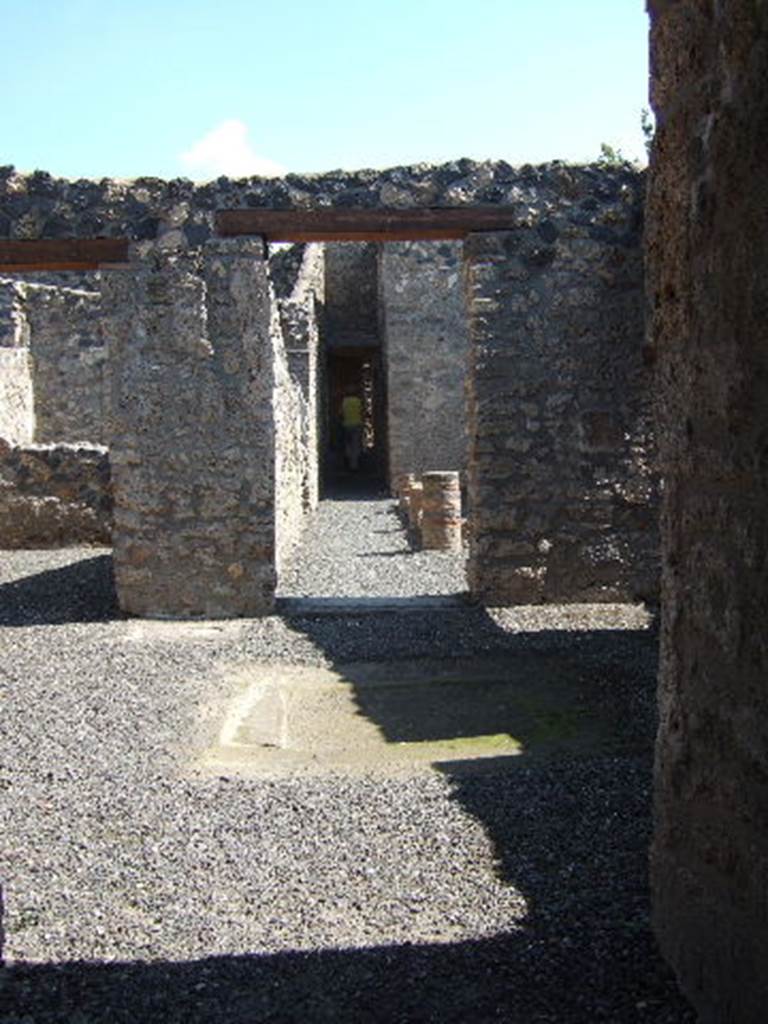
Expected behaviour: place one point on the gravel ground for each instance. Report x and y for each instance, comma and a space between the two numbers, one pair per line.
138, 889
357, 548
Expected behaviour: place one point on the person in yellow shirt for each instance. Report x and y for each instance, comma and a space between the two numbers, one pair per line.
352, 426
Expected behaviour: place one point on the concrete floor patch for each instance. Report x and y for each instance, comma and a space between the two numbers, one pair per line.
387, 716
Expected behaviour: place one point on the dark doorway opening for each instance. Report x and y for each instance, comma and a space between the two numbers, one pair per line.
355, 370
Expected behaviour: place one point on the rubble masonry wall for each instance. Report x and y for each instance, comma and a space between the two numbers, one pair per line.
54, 495
298, 278
562, 486
426, 348
68, 356
562, 496
193, 443
17, 408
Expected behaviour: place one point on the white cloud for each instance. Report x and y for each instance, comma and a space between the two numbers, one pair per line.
227, 150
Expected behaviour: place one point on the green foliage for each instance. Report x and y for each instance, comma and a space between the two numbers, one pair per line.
612, 156
648, 128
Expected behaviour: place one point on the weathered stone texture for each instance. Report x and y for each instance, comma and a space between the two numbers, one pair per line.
68, 356
17, 413
14, 329
426, 349
210, 464
298, 278
53, 495
708, 287
562, 490
193, 431
351, 276
17, 409
179, 212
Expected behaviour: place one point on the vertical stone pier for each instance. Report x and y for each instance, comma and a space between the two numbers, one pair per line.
192, 431
707, 239
561, 483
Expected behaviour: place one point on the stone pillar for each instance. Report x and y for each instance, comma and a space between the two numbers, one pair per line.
441, 511
707, 244
192, 440
561, 483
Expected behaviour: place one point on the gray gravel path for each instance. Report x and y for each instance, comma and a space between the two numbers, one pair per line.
137, 889
358, 548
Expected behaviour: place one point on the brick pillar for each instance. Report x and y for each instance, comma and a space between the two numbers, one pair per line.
192, 432
441, 511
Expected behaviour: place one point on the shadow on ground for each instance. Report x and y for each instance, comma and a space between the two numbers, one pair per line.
493, 980
571, 835
81, 592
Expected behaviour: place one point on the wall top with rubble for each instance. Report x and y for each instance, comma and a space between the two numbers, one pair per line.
37, 205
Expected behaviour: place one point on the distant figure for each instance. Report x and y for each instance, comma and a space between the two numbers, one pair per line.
352, 426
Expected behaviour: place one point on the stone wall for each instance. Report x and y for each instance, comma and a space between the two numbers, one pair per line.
291, 456
68, 357
17, 411
298, 285
298, 278
52, 363
426, 347
14, 329
179, 212
193, 454
54, 495
708, 287
562, 491
351, 293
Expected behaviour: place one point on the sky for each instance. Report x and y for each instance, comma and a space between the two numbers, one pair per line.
124, 88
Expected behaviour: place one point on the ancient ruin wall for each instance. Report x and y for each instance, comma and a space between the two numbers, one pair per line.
351, 298
53, 495
298, 279
17, 410
68, 357
708, 287
193, 431
570, 221
180, 213
562, 492
426, 348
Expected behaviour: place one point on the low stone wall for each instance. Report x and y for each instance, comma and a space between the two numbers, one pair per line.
426, 353
563, 495
54, 495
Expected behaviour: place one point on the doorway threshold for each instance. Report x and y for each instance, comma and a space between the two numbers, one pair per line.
303, 606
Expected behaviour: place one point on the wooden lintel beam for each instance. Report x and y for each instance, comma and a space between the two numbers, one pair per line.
364, 225
61, 254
